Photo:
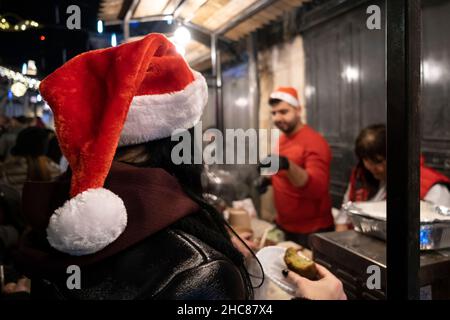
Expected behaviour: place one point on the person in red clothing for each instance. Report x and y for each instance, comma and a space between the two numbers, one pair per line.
301, 185
368, 178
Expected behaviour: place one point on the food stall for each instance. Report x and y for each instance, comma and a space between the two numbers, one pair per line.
247, 48
352, 257
354, 63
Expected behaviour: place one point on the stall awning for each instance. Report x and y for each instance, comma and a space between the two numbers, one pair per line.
233, 19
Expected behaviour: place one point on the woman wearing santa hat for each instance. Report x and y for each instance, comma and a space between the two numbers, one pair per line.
133, 223
125, 222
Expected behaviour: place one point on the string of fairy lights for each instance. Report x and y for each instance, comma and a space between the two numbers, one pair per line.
6, 23
29, 82
20, 82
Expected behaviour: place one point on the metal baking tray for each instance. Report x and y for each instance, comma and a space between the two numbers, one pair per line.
433, 235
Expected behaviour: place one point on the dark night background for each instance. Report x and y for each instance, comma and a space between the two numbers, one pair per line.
60, 44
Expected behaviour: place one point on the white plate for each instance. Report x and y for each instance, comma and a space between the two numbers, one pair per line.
272, 261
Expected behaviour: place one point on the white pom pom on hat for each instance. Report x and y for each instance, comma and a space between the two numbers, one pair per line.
88, 222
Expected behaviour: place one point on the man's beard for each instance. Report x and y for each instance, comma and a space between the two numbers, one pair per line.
286, 127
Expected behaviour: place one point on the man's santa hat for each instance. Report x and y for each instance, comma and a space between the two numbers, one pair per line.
129, 94
286, 94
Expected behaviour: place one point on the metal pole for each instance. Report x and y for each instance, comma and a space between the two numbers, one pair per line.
254, 104
403, 139
217, 75
56, 14
253, 80
127, 18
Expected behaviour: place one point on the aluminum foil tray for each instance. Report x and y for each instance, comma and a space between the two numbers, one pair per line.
433, 235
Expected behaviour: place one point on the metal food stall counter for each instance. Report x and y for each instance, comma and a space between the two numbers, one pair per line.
350, 255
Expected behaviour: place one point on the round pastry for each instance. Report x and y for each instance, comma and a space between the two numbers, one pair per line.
300, 264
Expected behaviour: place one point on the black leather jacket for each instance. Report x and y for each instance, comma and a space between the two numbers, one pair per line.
167, 265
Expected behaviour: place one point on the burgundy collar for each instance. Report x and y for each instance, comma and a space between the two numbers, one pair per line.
153, 198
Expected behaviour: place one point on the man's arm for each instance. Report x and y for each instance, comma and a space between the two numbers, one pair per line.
317, 167
297, 175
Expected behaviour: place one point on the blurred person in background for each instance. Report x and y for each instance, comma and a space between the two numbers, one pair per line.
28, 161
368, 178
9, 136
301, 185
4, 124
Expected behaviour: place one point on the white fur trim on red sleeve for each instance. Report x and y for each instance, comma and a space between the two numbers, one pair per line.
87, 223
153, 117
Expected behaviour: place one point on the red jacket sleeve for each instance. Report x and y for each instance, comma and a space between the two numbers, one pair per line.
317, 165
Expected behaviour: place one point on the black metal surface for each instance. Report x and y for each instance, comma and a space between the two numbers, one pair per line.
339, 108
403, 93
349, 254
217, 74
436, 84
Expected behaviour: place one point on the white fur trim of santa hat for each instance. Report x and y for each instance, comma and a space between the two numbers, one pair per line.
286, 97
87, 223
153, 117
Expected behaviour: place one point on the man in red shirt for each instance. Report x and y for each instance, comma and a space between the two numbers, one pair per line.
301, 185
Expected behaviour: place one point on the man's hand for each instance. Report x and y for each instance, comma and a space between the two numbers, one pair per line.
262, 183
341, 227
297, 175
283, 162
327, 288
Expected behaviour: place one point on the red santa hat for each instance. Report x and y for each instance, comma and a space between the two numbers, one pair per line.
286, 94
129, 94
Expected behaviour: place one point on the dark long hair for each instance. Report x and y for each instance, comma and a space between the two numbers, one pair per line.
370, 144
207, 224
